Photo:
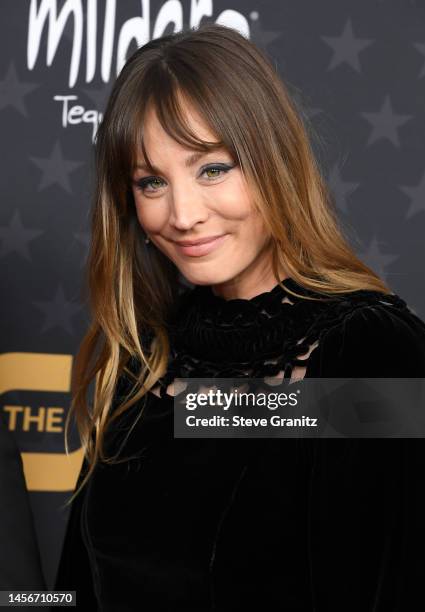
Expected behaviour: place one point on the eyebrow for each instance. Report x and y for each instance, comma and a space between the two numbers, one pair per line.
188, 162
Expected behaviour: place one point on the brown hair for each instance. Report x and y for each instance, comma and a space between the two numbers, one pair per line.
234, 86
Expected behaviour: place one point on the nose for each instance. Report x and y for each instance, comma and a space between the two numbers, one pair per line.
187, 207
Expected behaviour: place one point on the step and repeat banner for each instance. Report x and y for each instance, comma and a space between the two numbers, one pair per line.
357, 71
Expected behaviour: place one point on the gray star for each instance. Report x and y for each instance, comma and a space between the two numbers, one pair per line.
421, 48
13, 91
259, 35
385, 123
15, 237
55, 168
417, 197
340, 188
375, 259
346, 47
58, 312
84, 238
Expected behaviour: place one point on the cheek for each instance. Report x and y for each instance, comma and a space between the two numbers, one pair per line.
233, 202
152, 215
253, 227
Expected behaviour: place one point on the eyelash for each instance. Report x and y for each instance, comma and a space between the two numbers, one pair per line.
143, 183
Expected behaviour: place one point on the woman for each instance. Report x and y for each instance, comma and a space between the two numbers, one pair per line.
205, 175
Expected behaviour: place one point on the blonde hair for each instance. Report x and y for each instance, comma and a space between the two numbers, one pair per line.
131, 292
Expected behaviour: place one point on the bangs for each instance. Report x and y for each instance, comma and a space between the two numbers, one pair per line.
168, 98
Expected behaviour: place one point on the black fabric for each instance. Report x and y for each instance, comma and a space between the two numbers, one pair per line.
235, 524
20, 563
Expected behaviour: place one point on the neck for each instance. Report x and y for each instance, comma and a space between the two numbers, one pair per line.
248, 284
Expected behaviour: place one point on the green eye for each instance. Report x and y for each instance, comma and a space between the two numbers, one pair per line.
143, 183
214, 169
156, 183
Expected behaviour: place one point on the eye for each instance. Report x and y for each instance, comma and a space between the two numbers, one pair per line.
218, 169
143, 183
155, 182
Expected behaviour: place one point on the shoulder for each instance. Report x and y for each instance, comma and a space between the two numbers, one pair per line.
373, 335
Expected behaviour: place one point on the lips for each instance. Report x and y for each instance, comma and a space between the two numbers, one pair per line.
200, 247
199, 241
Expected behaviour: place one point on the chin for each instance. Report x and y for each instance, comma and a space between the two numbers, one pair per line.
198, 277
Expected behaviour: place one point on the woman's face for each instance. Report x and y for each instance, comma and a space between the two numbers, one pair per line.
197, 198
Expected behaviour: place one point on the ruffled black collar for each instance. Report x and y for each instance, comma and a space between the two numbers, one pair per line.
212, 328
257, 337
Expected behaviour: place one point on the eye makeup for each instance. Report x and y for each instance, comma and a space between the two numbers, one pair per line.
221, 168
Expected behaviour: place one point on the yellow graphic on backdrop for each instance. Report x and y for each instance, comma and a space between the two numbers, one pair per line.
43, 419
41, 372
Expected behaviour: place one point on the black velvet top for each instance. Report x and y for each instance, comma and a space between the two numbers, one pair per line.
228, 525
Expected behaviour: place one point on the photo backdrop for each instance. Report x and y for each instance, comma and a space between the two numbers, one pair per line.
357, 71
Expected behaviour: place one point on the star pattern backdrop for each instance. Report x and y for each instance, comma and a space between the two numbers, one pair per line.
357, 71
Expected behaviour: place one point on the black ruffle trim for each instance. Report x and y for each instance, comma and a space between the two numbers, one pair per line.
257, 337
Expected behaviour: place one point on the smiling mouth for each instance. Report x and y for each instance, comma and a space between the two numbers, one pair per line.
200, 248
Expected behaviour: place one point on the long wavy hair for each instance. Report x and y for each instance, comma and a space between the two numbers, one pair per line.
132, 288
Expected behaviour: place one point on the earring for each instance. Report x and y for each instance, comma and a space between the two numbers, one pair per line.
147, 240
